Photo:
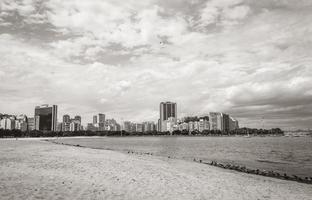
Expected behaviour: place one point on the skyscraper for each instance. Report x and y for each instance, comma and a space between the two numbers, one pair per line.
46, 118
101, 122
167, 110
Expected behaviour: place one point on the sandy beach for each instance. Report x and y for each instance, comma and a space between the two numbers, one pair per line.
34, 169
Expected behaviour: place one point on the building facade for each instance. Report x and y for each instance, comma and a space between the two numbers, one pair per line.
46, 118
167, 110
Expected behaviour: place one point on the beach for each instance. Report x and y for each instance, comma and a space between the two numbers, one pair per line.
37, 169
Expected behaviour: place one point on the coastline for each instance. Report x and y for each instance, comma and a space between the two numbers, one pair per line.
238, 168
38, 169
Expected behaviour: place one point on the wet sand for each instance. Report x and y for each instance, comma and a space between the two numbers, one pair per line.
34, 169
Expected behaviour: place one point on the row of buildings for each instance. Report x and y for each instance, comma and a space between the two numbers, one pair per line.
99, 123
139, 127
45, 119
169, 121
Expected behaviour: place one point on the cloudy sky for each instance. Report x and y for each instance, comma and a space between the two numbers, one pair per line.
249, 58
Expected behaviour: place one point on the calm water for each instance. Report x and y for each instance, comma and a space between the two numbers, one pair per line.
282, 154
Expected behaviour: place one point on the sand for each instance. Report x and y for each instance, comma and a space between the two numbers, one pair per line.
34, 169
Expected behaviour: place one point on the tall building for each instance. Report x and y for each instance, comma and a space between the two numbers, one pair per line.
31, 124
216, 121
78, 118
94, 119
203, 125
167, 110
66, 119
101, 122
233, 124
7, 123
59, 127
101, 118
138, 127
46, 118
225, 122
90, 127
127, 126
21, 123
148, 126
74, 125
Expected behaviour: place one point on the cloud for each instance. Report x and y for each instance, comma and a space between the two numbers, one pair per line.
248, 58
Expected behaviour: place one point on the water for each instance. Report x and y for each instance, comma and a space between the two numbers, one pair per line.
281, 154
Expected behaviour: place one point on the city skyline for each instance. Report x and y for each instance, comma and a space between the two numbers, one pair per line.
248, 58
45, 119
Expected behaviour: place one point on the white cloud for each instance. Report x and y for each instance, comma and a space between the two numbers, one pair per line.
248, 58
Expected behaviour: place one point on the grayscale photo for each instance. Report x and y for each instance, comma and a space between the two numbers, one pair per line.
156, 99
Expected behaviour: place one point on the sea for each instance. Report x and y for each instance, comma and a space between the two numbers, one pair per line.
290, 155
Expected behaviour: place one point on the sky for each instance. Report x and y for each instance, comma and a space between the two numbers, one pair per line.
249, 58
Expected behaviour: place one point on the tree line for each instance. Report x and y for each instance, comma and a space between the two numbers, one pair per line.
240, 131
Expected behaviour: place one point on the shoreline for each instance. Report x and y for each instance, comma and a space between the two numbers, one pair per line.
238, 168
39, 169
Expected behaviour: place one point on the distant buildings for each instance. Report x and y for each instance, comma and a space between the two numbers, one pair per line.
149, 126
167, 110
7, 123
99, 123
46, 118
139, 127
69, 124
216, 121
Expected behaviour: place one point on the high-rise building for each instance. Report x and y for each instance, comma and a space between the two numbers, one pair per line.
101, 118
31, 124
233, 124
101, 122
225, 122
46, 118
59, 126
90, 127
127, 126
66, 119
94, 119
216, 121
74, 125
7, 123
148, 126
139, 127
203, 125
191, 126
21, 123
78, 118
167, 110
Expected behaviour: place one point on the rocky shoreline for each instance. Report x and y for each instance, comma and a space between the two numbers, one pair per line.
243, 169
